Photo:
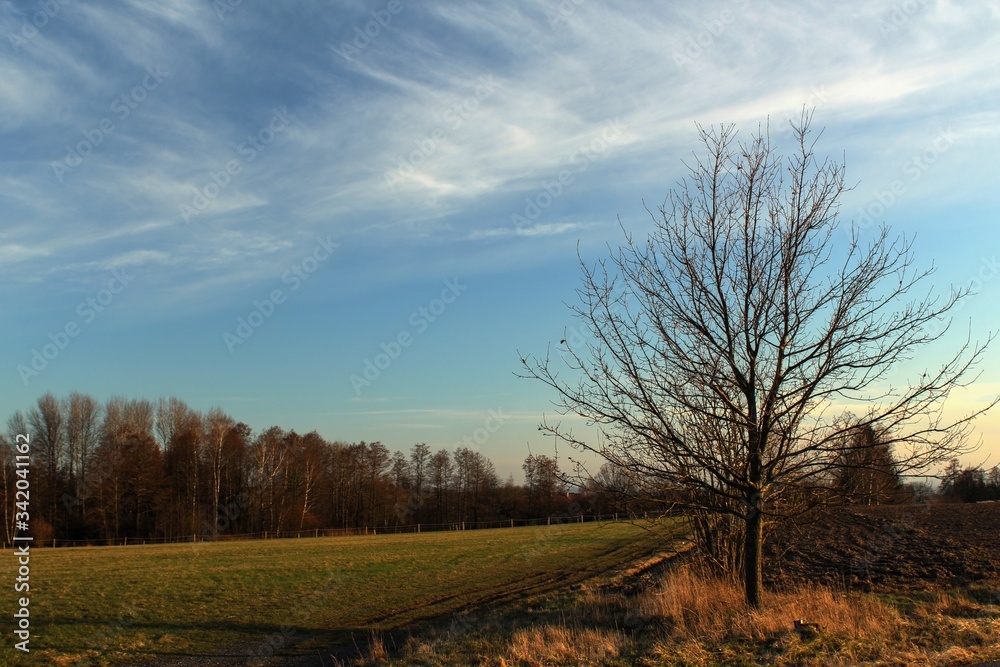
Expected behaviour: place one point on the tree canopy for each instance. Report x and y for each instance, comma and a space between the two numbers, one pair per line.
733, 349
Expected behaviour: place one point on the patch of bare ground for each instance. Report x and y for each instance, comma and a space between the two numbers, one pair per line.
890, 547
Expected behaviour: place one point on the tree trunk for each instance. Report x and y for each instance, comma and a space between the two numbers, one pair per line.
753, 556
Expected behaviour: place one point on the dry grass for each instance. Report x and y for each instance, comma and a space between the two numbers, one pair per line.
691, 620
560, 645
693, 606
696, 620
372, 653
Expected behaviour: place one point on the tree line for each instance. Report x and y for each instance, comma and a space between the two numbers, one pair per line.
970, 484
134, 468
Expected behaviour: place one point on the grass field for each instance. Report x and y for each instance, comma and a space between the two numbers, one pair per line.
108, 605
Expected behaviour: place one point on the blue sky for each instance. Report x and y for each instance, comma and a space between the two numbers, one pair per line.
179, 163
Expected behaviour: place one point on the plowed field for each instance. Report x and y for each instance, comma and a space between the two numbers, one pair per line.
890, 547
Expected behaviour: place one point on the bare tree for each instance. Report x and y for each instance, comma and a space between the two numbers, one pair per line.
725, 348
83, 433
612, 489
310, 460
543, 483
17, 425
124, 473
268, 460
482, 481
49, 450
171, 417
420, 458
441, 473
217, 425
181, 430
375, 466
866, 469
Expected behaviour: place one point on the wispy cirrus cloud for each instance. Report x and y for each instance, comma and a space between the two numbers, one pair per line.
552, 87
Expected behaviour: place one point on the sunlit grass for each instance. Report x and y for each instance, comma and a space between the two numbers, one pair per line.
100, 605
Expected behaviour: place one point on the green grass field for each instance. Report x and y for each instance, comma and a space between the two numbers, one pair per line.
108, 605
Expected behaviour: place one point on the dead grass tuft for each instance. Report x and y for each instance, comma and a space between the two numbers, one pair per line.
694, 606
373, 652
559, 645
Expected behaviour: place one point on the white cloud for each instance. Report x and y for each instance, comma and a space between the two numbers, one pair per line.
549, 229
556, 86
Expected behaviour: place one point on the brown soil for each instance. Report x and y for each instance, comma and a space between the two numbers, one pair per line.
889, 547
